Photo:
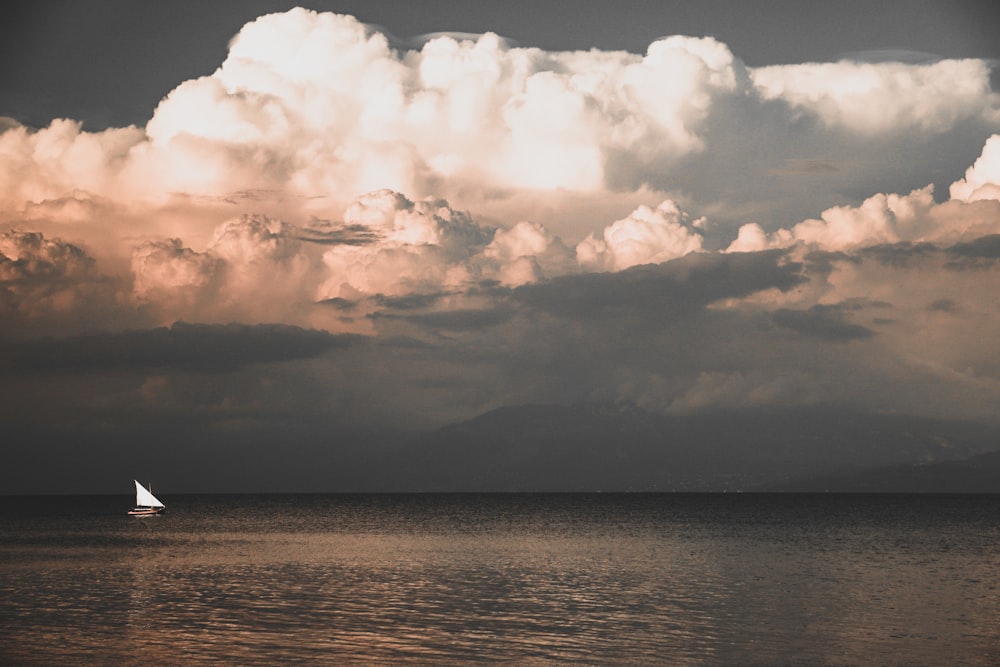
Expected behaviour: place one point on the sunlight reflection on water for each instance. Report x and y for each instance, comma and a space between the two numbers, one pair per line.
460, 579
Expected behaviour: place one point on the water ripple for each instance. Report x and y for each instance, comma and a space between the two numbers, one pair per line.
523, 580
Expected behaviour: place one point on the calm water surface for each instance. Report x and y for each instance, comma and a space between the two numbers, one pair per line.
518, 579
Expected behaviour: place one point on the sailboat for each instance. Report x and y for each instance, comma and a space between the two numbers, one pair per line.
145, 502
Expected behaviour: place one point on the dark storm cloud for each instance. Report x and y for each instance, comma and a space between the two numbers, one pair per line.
827, 323
898, 255
407, 301
663, 291
460, 320
943, 306
338, 303
979, 253
44, 281
190, 347
39, 260
336, 235
986, 247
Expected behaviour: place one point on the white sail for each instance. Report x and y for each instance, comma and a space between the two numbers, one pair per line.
144, 498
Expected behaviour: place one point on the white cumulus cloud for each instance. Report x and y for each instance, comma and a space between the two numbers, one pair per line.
893, 97
420, 246
982, 179
972, 212
646, 236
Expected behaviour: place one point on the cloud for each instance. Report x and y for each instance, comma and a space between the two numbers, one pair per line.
48, 282
986, 247
526, 253
982, 254
167, 271
879, 219
254, 269
423, 246
751, 237
739, 389
646, 236
28, 257
489, 215
316, 109
326, 104
458, 320
982, 179
181, 347
823, 322
884, 97
61, 158
666, 291
972, 212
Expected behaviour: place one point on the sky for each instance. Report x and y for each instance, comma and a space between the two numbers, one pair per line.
321, 228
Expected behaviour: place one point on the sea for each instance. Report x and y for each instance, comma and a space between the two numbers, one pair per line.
511, 579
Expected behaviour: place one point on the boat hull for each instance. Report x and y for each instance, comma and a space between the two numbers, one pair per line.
146, 511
